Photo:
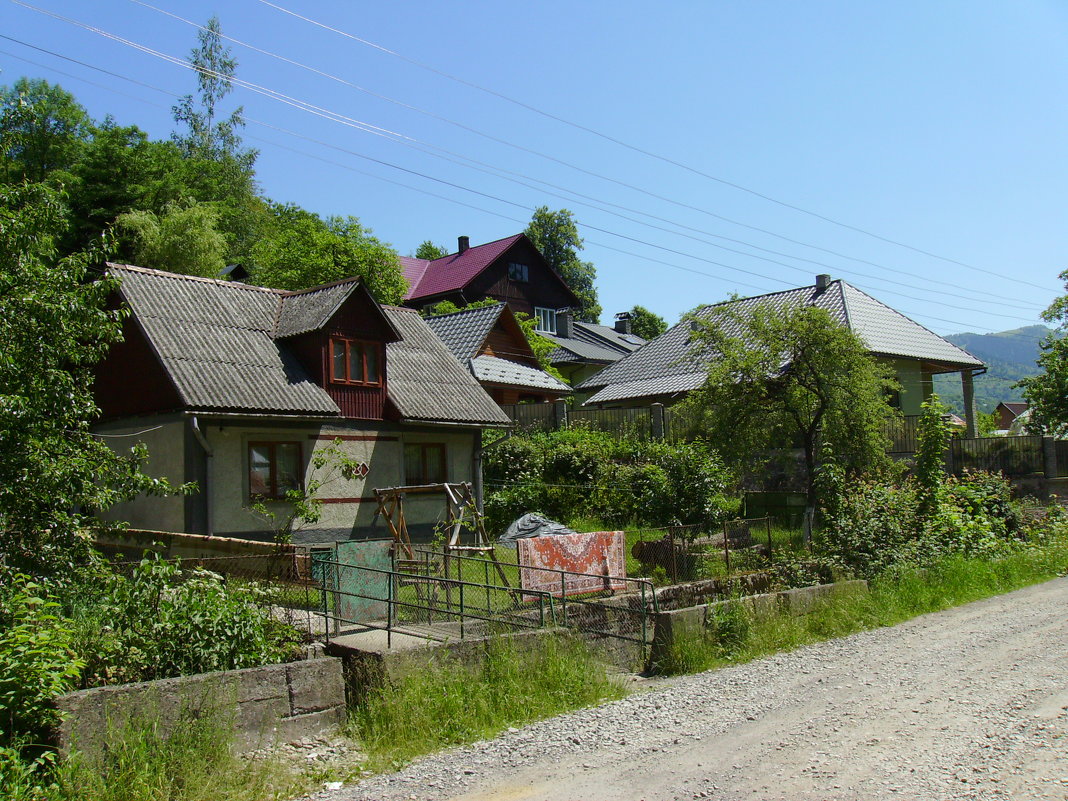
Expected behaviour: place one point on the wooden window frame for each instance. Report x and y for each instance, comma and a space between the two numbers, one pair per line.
423, 463
517, 271
347, 344
271, 445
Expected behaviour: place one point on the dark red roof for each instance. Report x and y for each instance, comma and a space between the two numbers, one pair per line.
454, 272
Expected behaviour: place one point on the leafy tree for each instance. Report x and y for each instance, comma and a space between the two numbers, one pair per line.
299, 249
54, 327
183, 239
42, 129
646, 324
208, 136
428, 250
448, 307
789, 376
555, 234
1047, 392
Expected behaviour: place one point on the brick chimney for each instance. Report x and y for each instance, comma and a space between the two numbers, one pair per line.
462, 243
564, 320
622, 325
822, 282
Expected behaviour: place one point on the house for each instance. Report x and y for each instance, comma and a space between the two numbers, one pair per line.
666, 369
1008, 412
511, 270
489, 341
240, 388
584, 349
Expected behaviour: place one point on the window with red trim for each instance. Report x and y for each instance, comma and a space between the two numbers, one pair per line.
353, 361
424, 463
274, 468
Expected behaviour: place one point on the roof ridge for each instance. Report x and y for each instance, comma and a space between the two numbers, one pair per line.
289, 293
464, 310
473, 247
182, 276
845, 303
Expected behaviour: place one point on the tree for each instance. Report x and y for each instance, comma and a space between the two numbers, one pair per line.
299, 249
428, 250
42, 129
54, 326
209, 137
1047, 392
555, 234
646, 324
183, 239
786, 377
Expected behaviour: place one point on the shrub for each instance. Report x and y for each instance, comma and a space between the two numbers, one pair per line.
160, 623
36, 662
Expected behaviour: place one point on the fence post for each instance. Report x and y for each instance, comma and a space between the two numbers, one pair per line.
560, 414
1049, 457
659, 431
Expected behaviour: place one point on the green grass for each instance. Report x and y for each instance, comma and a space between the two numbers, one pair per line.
736, 635
449, 702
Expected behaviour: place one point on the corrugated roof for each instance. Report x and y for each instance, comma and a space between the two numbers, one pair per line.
666, 365
463, 332
426, 382
215, 341
452, 272
492, 370
301, 312
593, 343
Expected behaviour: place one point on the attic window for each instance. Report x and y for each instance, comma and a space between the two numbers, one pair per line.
354, 362
544, 320
518, 272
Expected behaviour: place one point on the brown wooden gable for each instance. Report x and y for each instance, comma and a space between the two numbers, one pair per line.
544, 286
131, 380
506, 340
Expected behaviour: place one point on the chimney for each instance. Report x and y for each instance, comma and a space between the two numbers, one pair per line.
822, 281
564, 319
462, 243
622, 325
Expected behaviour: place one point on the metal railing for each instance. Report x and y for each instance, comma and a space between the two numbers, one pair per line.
1013, 456
421, 604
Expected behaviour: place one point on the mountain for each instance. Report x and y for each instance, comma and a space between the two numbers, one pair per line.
1009, 356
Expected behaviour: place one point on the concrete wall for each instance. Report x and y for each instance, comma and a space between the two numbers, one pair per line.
916, 385
800, 601
276, 703
165, 439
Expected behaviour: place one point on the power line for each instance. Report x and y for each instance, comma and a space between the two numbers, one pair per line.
642, 151
513, 144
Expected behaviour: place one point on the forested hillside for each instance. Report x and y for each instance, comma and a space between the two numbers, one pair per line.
1009, 356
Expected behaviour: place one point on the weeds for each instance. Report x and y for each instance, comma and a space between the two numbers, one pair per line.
448, 701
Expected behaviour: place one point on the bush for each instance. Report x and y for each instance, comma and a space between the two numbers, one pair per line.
160, 623
36, 662
580, 473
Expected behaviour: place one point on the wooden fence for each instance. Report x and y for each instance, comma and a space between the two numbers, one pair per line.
1013, 456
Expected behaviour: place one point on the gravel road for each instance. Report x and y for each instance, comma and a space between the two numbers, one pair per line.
967, 703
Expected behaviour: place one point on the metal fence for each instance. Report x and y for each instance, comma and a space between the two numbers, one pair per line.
902, 433
635, 422
1013, 456
693, 553
532, 416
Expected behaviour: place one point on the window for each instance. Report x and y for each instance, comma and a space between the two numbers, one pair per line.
424, 463
518, 272
545, 320
354, 362
274, 468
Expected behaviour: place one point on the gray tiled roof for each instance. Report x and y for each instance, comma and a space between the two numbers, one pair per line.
492, 370
667, 366
215, 340
427, 383
463, 332
593, 343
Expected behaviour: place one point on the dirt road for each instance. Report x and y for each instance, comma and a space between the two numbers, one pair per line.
968, 703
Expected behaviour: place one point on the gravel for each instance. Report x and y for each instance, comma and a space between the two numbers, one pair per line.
964, 704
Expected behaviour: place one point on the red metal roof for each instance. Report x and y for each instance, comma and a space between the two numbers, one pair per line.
453, 272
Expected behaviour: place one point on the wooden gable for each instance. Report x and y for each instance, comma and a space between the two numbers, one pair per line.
543, 287
506, 340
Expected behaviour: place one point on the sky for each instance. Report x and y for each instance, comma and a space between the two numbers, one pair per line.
914, 149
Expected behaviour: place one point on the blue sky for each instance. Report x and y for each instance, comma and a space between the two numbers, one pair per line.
940, 126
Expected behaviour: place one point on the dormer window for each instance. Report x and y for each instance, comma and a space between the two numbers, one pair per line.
518, 272
353, 361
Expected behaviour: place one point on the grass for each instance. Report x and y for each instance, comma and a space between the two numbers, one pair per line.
449, 702
735, 634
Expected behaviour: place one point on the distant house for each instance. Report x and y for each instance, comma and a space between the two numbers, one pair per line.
510, 270
1008, 412
237, 388
666, 369
490, 343
584, 349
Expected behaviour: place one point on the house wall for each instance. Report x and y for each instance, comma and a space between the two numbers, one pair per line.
164, 436
544, 288
916, 384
